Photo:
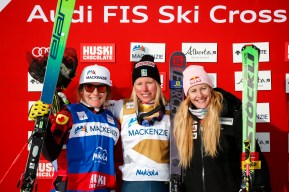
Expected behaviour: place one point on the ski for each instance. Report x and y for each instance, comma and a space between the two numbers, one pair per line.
63, 17
177, 65
250, 62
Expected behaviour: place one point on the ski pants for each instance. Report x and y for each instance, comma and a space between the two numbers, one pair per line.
145, 186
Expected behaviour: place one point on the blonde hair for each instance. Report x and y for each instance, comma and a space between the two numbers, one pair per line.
160, 98
211, 129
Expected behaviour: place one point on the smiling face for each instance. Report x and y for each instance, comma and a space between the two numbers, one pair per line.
145, 89
95, 98
200, 95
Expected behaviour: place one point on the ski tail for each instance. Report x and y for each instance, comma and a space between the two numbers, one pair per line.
64, 11
250, 64
177, 65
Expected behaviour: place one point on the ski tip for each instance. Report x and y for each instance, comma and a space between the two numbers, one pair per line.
250, 45
177, 53
246, 45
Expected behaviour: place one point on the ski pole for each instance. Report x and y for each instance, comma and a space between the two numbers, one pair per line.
17, 157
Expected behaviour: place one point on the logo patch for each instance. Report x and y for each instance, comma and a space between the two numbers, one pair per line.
61, 119
129, 105
195, 130
144, 73
79, 129
110, 119
100, 155
226, 121
82, 115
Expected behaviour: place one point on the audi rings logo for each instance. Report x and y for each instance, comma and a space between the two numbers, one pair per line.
39, 51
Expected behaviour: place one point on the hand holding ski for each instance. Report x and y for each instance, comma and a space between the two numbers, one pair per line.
38, 109
60, 31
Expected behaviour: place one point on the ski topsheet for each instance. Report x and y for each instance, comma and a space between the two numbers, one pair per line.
63, 17
61, 27
177, 65
250, 62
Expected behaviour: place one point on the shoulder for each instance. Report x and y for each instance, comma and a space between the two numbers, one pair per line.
115, 107
114, 103
111, 119
230, 101
64, 111
73, 106
231, 115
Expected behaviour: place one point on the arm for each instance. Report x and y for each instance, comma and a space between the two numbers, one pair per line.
57, 134
118, 156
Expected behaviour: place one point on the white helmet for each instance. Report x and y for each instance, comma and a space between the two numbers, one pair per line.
95, 74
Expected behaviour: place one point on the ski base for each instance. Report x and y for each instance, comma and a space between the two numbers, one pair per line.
177, 65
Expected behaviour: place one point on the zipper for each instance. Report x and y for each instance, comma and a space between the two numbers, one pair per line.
202, 155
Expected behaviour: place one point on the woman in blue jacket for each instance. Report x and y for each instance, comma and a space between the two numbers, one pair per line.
90, 134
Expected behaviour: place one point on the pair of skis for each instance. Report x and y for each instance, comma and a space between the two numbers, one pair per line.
177, 65
63, 17
250, 65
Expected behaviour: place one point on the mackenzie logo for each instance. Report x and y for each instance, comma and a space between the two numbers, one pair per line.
139, 48
79, 129
132, 121
91, 72
91, 75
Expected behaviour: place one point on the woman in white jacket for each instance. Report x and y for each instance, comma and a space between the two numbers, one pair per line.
145, 125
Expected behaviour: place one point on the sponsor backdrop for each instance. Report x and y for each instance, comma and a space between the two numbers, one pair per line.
117, 33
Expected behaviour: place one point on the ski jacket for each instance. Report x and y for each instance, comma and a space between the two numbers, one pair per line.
223, 172
145, 148
90, 139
